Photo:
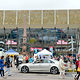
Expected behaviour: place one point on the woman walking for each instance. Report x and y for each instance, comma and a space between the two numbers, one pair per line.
62, 68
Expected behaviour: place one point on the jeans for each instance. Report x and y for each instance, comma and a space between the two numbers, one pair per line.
8, 70
2, 73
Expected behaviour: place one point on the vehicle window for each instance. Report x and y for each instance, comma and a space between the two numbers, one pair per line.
37, 62
51, 61
45, 61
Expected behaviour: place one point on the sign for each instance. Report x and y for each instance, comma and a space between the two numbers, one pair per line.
11, 42
33, 48
50, 48
62, 42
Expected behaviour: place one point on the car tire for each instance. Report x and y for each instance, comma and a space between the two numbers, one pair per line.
54, 70
24, 69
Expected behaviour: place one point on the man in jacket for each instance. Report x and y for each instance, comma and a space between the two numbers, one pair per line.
8, 65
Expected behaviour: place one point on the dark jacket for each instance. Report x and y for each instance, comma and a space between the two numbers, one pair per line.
7, 62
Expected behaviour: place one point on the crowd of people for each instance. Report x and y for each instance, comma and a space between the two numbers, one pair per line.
5, 62
65, 61
69, 62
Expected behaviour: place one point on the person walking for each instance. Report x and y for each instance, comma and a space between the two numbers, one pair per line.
17, 62
11, 61
2, 66
8, 65
68, 65
26, 59
62, 67
77, 62
31, 59
78, 71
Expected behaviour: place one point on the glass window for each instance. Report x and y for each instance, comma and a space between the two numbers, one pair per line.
51, 62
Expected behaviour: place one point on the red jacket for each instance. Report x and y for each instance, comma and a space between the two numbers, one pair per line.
77, 63
26, 58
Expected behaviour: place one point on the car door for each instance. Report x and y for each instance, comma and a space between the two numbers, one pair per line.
44, 66
34, 66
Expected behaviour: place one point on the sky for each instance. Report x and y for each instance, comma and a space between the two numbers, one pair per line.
39, 4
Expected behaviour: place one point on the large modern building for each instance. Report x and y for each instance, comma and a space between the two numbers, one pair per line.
68, 20
40, 18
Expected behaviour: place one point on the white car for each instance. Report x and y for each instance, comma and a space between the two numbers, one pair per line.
50, 65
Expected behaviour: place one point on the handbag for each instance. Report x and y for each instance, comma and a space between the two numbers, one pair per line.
63, 67
78, 69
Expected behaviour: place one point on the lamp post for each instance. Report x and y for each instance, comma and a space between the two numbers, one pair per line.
67, 36
55, 38
4, 38
7, 40
24, 47
42, 34
29, 32
72, 48
17, 39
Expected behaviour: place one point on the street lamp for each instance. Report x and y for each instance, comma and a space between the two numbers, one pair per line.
17, 40
29, 32
42, 35
7, 40
4, 38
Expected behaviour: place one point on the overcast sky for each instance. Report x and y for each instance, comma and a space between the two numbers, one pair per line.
39, 4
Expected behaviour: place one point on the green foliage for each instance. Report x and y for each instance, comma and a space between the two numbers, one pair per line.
32, 40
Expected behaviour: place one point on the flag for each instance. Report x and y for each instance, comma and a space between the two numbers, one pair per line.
35, 50
52, 51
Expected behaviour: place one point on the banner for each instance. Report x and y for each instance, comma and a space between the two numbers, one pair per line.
51, 49
11, 42
33, 48
62, 42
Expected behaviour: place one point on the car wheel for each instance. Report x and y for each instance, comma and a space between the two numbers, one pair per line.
54, 70
24, 69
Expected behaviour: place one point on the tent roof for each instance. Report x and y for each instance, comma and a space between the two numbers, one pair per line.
12, 52
44, 52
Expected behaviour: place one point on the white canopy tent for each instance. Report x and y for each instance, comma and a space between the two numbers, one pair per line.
45, 53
